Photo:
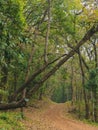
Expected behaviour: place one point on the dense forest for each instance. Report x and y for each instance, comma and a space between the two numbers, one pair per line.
49, 48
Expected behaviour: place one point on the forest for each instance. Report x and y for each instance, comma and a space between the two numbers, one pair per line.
49, 49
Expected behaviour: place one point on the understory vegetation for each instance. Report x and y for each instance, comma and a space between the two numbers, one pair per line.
11, 121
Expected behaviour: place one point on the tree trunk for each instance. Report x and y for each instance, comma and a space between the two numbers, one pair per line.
95, 91
72, 90
47, 33
84, 91
13, 105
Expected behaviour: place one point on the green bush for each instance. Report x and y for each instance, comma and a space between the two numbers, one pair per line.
10, 121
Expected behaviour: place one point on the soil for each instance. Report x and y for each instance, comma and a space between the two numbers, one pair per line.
53, 117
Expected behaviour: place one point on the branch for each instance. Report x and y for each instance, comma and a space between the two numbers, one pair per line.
86, 66
34, 75
87, 36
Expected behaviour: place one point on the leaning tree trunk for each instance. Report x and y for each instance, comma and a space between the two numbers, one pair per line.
87, 36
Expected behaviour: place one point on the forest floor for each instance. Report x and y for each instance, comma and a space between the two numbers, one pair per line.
52, 116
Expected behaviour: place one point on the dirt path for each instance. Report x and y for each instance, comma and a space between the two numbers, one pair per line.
53, 118
57, 116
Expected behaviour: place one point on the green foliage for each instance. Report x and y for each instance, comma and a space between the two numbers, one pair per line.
12, 10
10, 121
92, 83
61, 93
2, 92
62, 19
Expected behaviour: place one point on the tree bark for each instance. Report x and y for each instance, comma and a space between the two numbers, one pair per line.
13, 105
84, 91
47, 33
72, 89
95, 92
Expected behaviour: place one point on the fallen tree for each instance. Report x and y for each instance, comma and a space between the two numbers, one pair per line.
13, 105
37, 85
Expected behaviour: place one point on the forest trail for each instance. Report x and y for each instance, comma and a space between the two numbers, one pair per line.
53, 118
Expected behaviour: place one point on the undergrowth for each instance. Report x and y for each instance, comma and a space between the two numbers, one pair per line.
11, 121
